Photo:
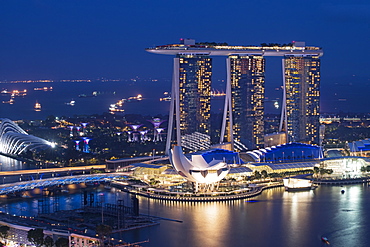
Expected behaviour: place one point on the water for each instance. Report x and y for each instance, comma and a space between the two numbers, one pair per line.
9, 164
54, 102
275, 218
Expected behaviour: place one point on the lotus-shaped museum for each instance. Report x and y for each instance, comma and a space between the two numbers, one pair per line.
204, 167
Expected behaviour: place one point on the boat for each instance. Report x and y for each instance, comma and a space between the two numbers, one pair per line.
37, 106
325, 240
298, 184
71, 103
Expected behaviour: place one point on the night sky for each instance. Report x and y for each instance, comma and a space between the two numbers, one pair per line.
70, 39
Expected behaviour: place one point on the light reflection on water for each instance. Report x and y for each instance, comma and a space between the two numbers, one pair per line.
275, 218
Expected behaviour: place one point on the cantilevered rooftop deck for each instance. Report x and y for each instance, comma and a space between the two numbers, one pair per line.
175, 49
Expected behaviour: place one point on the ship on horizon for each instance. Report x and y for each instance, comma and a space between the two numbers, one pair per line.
37, 106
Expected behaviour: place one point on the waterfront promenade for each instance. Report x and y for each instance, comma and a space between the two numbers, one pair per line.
336, 181
199, 197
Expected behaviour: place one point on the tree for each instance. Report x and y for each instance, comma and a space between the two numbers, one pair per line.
62, 242
36, 236
316, 170
4, 231
264, 174
257, 175
48, 241
103, 231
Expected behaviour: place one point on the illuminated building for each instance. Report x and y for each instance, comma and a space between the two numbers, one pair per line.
14, 140
359, 148
274, 139
345, 167
204, 168
247, 78
300, 115
194, 93
243, 109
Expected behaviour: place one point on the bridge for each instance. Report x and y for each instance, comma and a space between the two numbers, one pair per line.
50, 182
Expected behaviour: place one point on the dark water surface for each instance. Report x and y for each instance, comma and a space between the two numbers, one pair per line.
275, 218
54, 102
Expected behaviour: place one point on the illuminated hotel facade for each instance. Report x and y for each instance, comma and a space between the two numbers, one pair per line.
245, 87
247, 97
300, 116
195, 73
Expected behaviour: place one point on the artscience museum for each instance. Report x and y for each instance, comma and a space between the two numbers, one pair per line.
203, 168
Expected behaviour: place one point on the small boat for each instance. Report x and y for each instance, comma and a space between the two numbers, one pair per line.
37, 106
298, 184
325, 240
342, 191
71, 103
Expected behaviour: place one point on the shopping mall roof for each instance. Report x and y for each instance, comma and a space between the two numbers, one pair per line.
300, 165
286, 153
239, 170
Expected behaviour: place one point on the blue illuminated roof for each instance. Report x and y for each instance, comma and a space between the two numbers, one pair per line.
289, 152
228, 156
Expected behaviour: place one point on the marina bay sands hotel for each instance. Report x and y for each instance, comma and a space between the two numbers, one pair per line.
245, 90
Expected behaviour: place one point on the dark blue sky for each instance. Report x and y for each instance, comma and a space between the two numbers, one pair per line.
67, 39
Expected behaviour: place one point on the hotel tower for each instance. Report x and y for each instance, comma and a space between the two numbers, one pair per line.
194, 93
247, 78
243, 118
300, 116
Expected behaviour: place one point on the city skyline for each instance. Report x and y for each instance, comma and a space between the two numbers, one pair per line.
86, 40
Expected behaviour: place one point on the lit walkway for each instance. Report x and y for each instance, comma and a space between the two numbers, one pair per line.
45, 170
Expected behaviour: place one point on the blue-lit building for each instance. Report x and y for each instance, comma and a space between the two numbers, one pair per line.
286, 153
360, 148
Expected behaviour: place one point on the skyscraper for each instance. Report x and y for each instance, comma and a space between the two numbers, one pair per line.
243, 118
302, 94
195, 73
247, 96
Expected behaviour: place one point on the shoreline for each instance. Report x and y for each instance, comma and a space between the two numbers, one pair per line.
255, 191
